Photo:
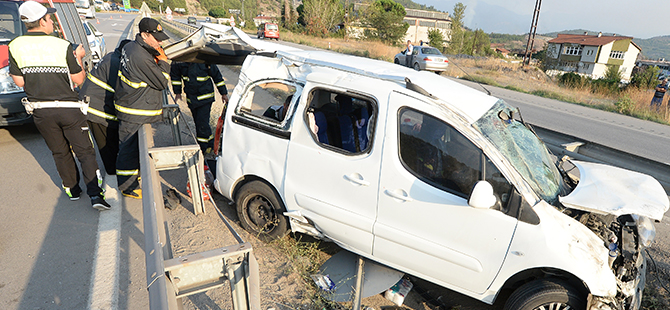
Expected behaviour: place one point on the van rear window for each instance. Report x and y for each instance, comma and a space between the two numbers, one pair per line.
271, 27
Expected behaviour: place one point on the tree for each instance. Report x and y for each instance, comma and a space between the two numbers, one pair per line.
321, 16
435, 38
458, 34
218, 12
481, 44
385, 17
645, 79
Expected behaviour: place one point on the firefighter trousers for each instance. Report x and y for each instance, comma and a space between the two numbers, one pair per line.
107, 138
203, 130
128, 160
65, 131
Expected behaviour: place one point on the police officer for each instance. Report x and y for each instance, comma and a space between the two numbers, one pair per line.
196, 80
143, 76
99, 88
38, 59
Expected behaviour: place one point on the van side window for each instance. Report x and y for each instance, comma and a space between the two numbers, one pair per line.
439, 155
341, 121
270, 101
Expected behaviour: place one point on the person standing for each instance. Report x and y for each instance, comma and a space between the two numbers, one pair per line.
408, 54
48, 68
196, 81
660, 89
99, 88
143, 76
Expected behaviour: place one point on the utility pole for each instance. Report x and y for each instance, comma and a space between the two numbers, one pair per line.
531, 33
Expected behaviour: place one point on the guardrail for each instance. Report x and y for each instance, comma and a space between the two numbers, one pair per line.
171, 278
180, 26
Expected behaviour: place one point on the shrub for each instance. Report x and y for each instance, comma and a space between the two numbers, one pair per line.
625, 105
571, 79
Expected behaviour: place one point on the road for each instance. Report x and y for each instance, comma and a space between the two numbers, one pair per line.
49, 250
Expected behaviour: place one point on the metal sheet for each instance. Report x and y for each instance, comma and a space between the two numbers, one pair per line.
341, 269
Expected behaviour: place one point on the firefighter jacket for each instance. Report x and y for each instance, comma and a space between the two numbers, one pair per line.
196, 80
99, 87
138, 97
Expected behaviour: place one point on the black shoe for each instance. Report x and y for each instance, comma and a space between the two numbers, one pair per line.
74, 193
134, 193
99, 203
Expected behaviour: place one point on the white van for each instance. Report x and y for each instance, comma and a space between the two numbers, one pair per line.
432, 178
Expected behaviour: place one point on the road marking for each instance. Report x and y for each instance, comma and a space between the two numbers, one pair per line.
104, 291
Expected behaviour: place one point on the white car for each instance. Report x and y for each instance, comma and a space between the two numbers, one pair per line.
96, 41
431, 178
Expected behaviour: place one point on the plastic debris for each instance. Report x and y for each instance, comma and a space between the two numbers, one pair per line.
399, 291
324, 282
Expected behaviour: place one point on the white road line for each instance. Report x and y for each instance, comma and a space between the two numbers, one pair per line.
104, 292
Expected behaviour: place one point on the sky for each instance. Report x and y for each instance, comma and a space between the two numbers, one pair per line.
641, 19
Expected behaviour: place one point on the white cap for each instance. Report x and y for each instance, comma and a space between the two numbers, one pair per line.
31, 11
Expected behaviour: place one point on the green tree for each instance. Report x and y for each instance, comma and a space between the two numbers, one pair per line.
321, 16
218, 12
645, 79
481, 44
458, 34
435, 38
385, 18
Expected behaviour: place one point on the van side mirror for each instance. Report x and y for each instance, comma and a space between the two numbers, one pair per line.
482, 196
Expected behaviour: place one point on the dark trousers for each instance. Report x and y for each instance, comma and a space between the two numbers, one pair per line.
128, 161
107, 138
65, 131
203, 131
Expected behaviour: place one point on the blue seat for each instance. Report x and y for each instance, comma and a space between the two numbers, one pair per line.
322, 123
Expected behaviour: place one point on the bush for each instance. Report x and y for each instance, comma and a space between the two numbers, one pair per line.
571, 79
217, 12
625, 105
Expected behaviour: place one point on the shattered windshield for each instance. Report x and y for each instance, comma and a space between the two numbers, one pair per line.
523, 149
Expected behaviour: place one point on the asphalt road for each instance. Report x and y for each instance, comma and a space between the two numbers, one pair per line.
51, 248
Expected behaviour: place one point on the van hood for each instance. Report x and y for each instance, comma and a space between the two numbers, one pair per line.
605, 189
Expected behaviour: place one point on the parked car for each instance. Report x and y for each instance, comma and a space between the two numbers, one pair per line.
268, 30
427, 176
191, 20
11, 109
114, 6
96, 41
424, 58
208, 19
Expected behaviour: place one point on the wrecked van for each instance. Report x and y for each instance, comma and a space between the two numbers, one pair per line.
431, 178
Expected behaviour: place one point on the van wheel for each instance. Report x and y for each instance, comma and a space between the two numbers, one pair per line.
417, 67
261, 211
545, 294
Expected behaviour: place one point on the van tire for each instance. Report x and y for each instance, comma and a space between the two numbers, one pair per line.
541, 293
261, 211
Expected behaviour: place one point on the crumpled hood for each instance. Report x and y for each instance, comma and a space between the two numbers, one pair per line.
605, 189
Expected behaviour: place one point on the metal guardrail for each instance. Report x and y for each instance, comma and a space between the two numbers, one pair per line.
179, 26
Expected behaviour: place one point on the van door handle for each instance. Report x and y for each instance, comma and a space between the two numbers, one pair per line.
356, 178
403, 196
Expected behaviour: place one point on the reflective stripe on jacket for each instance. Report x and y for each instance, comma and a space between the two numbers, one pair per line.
139, 97
196, 81
99, 87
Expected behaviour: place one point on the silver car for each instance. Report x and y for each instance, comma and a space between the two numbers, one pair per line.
424, 58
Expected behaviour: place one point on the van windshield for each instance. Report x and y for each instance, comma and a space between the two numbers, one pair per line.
10, 23
523, 149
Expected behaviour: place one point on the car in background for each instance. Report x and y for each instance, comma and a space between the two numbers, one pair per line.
96, 41
11, 110
191, 20
114, 6
208, 19
268, 30
85, 9
424, 58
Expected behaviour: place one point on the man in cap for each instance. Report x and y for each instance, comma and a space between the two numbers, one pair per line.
47, 68
659, 93
143, 74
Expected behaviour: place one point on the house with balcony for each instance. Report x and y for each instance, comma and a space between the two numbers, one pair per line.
591, 55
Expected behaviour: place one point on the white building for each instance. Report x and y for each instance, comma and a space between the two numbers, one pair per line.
591, 55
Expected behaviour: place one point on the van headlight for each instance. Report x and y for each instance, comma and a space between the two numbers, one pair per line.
7, 85
645, 230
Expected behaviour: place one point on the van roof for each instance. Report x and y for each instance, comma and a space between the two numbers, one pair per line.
470, 103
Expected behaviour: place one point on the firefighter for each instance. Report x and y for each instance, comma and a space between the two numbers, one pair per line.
38, 59
196, 81
99, 88
143, 75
